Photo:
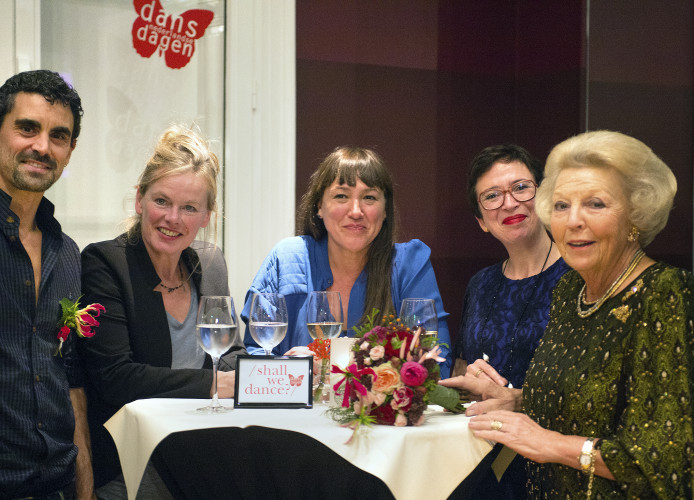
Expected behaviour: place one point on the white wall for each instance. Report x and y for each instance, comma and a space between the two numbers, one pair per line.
7, 51
20, 37
260, 148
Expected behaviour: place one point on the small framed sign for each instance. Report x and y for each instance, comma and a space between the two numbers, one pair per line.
274, 382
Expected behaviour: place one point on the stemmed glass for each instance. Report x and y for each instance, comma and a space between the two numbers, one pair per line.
217, 329
420, 312
324, 315
324, 321
268, 320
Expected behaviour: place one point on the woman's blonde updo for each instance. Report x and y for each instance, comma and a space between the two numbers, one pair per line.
179, 150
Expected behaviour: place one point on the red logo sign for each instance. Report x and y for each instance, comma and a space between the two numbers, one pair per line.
172, 36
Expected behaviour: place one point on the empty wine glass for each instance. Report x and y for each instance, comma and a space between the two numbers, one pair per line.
324, 321
216, 328
268, 320
420, 312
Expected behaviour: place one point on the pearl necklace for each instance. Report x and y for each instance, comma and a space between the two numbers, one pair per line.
614, 286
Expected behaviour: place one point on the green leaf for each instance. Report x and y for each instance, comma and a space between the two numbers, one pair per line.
366, 327
444, 396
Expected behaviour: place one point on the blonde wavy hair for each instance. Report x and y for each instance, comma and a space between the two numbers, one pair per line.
649, 184
179, 150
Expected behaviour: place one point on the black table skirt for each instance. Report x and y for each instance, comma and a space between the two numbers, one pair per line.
264, 463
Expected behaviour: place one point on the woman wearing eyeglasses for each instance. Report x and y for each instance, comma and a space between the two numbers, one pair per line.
506, 305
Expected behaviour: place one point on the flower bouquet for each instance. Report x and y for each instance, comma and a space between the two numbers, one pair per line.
393, 378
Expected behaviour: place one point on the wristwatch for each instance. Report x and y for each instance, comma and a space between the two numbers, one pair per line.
585, 459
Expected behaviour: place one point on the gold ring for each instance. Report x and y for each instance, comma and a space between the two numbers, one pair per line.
477, 373
496, 425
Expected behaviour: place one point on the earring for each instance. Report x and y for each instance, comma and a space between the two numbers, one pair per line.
633, 234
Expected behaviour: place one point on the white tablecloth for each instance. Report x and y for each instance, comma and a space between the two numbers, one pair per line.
443, 444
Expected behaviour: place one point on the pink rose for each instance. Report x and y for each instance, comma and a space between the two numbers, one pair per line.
400, 420
377, 398
377, 352
402, 398
387, 378
413, 373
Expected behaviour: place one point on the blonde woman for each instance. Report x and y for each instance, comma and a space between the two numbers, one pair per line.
150, 279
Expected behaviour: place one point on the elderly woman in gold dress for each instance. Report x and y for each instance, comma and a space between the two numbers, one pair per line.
606, 408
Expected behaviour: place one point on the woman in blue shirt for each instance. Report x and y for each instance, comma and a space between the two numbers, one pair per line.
346, 227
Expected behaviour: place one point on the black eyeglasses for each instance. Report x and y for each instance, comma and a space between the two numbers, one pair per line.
491, 199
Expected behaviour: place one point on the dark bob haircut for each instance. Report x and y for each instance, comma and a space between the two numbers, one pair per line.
504, 153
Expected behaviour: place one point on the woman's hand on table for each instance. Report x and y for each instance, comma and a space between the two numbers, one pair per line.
486, 394
526, 437
225, 384
517, 431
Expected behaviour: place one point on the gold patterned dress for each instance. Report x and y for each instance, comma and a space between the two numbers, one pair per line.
623, 375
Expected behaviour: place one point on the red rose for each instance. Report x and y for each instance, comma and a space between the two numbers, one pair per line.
402, 335
385, 415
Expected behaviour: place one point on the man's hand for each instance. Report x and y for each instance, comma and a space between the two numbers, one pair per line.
84, 478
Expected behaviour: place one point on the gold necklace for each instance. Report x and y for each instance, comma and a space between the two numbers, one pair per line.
614, 286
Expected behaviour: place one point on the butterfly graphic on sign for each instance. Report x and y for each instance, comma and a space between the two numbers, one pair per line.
297, 381
171, 36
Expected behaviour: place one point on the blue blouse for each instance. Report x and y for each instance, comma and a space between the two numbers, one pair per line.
505, 319
300, 265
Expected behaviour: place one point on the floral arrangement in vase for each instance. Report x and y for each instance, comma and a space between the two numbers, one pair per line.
393, 378
321, 385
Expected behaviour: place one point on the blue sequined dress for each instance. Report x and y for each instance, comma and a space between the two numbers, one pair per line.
506, 318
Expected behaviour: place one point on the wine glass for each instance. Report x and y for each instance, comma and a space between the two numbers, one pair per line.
324, 321
324, 315
420, 312
268, 320
216, 328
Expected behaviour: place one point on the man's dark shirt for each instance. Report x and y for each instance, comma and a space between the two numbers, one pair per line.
37, 452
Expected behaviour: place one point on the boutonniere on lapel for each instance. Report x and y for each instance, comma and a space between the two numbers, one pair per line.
82, 320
